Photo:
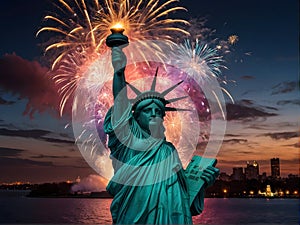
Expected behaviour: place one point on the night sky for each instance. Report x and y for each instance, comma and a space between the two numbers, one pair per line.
37, 145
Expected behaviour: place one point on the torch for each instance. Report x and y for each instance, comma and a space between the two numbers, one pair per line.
117, 39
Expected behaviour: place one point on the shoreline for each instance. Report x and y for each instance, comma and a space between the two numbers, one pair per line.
105, 195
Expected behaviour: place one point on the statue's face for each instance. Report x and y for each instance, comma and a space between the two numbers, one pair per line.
150, 116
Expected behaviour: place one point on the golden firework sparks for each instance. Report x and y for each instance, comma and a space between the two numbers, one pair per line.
81, 28
232, 39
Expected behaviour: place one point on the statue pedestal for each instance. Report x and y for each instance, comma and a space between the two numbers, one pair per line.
193, 174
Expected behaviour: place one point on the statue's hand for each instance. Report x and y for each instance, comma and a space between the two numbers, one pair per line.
209, 175
118, 58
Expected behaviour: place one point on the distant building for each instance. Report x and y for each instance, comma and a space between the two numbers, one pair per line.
224, 177
292, 176
237, 173
263, 177
275, 168
252, 171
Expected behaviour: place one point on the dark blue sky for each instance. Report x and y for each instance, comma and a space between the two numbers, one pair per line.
268, 29
265, 87
271, 25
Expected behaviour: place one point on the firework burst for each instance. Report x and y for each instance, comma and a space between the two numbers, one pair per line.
203, 64
94, 98
199, 61
232, 39
81, 28
142, 20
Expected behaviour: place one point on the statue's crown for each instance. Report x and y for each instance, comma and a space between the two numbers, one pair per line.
152, 94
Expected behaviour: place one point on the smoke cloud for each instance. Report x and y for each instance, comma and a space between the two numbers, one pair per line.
92, 183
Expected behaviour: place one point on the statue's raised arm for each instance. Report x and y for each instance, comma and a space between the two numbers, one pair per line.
119, 61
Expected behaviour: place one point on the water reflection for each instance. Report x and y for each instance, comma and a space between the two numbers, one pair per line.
249, 211
20, 209
94, 211
215, 213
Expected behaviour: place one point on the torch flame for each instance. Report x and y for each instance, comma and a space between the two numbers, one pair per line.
117, 26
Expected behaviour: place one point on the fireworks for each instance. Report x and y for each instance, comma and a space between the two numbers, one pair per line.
81, 28
82, 64
84, 27
203, 64
142, 20
233, 39
182, 129
199, 61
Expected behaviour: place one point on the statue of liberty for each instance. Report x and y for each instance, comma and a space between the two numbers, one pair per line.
149, 185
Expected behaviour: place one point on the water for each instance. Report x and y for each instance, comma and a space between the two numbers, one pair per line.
15, 208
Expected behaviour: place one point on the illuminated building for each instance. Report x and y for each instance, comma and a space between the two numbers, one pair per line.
252, 170
268, 192
275, 168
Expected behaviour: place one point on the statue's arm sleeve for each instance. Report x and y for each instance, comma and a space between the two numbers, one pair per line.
119, 82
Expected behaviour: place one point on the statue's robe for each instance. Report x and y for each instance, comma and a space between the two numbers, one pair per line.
148, 186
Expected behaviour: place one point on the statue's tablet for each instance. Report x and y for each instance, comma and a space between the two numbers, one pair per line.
193, 174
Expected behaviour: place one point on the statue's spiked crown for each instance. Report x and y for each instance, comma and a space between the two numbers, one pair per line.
152, 94
117, 38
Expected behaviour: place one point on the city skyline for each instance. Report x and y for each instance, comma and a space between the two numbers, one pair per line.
237, 173
37, 145
274, 166
96, 178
